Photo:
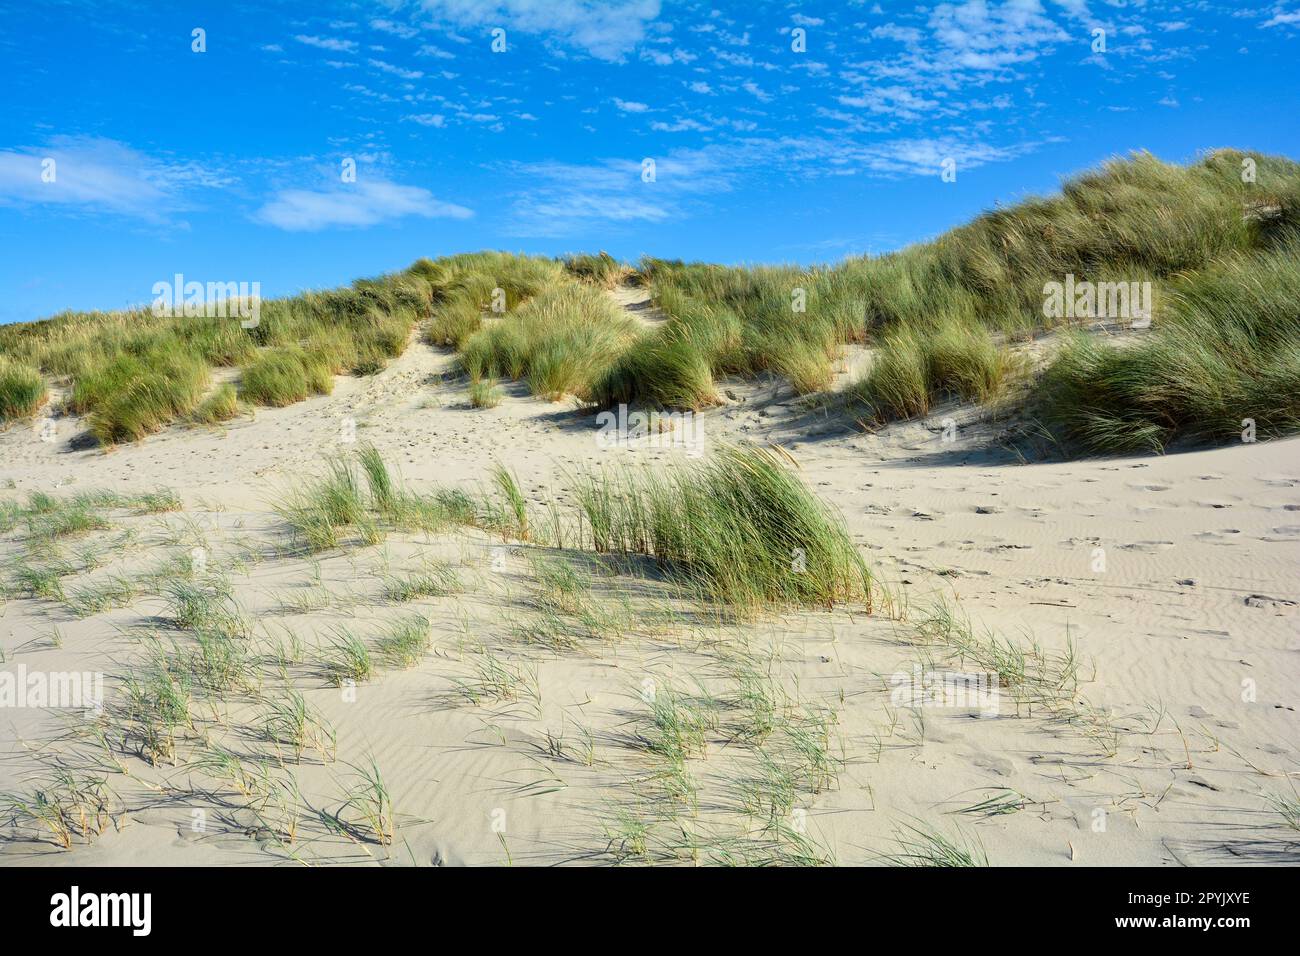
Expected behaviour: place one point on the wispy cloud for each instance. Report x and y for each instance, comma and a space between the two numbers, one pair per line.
367, 202
100, 175
396, 70
566, 199
403, 30
327, 43
606, 29
1282, 18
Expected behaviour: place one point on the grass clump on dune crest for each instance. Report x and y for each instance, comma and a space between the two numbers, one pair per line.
562, 341
740, 528
22, 391
472, 283
602, 269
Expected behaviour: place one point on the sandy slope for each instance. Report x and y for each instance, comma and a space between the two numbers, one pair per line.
1190, 630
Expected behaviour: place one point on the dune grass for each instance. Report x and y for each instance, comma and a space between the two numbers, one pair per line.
601, 270
740, 528
220, 406
484, 393
134, 372
281, 377
1220, 254
472, 284
561, 341
435, 579
22, 391
1212, 246
132, 397
358, 500
1226, 357
914, 369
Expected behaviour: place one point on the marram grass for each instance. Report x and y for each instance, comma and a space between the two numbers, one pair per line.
740, 528
22, 391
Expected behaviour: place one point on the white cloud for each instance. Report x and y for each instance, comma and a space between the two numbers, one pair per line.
565, 199
366, 202
606, 29
100, 175
891, 100
396, 29
1282, 19
680, 126
427, 119
630, 106
396, 70
433, 51
327, 43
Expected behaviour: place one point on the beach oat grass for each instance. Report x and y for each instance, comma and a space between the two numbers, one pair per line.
601, 269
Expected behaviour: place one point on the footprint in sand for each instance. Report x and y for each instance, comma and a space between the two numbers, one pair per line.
1147, 547
1217, 537
1264, 602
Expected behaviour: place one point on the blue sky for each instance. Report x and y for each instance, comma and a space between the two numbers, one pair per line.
227, 164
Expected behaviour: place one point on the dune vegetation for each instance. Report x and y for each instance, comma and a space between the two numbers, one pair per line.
948, 319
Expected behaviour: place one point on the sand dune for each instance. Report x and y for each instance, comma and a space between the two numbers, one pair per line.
1169, 582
